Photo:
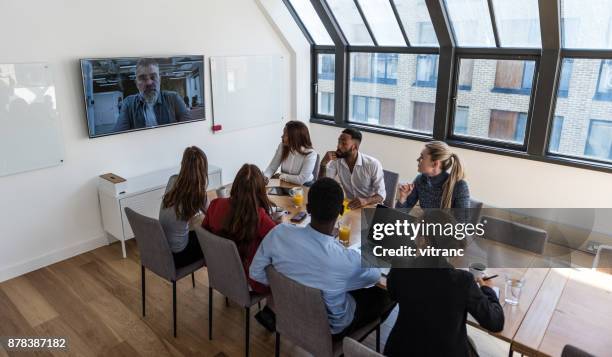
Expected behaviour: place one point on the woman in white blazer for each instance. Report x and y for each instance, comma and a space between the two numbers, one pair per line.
294, 155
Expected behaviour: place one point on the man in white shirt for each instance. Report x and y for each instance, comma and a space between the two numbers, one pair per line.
360, 175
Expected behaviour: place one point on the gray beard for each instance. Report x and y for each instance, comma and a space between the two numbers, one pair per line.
150, 98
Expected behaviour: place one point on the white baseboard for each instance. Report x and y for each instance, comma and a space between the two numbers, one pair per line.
55, 256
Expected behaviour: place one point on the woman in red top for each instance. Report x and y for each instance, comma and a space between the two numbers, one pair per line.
244, 217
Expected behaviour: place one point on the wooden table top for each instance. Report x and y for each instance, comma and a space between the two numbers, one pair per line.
557, 306
574, 306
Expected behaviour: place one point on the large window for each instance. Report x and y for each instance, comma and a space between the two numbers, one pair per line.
375, 67
496, 113
585, 131
382, 90
389, 59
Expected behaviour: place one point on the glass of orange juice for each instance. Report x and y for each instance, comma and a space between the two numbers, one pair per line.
297, 193
344, 233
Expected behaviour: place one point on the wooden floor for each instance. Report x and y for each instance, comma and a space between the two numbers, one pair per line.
94, 300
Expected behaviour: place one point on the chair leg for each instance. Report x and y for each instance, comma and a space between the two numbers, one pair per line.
246, 330
174, 306
142, 288
378, 338
226, 301
210, 312
259, 305
277, 345
193, 279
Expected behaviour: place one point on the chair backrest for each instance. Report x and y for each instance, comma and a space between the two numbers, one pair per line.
315, 171
225, 270
352, 348
475, 210
603, 259
572, 351
515, 234
155, 253
300, 314
391, 179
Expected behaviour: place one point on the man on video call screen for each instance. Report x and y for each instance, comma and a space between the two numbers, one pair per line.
151, 106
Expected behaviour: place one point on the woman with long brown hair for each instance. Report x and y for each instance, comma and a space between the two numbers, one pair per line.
294, 155
435, 187
244, 217
184, 199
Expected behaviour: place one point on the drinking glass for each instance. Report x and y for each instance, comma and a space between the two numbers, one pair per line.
514, 286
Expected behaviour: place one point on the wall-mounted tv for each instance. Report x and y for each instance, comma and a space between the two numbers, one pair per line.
135, 93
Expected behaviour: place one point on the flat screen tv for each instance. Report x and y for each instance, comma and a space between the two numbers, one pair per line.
135, 93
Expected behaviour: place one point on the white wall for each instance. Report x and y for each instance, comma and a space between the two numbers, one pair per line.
50, 214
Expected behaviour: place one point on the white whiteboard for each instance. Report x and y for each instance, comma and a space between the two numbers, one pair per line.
247, 91
30, 131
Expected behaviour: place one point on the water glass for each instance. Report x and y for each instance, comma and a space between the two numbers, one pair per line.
514, 286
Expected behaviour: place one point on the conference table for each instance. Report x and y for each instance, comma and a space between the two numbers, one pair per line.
557, 306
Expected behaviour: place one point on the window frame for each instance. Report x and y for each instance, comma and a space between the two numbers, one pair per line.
491, 143
543, 95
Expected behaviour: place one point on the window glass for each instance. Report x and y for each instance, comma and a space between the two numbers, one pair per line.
586, 24
383, 90
325, 83
311, 21
498, 100
416, 22
585, 130
381, 19
471, 22
350, 21
518, 23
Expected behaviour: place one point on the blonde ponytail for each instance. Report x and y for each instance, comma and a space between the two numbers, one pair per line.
439, 150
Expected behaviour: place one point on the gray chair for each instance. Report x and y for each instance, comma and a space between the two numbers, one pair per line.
353, 348
475, 211
572, 351
315, 172
301, 316
391, 179
226, 275
515, 234
603, 259
155, 255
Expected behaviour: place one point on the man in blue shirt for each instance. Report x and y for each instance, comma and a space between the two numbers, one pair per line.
311, 256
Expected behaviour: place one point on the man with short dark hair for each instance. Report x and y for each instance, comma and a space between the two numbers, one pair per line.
313, 257
151, 106
360, 175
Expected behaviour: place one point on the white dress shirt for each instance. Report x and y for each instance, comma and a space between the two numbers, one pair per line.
365, 181
296, 168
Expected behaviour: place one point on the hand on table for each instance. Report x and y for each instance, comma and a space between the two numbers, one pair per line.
358, 203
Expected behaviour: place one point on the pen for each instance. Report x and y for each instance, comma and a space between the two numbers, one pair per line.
490, 277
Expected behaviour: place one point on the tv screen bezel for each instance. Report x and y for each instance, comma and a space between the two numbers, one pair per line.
145, 128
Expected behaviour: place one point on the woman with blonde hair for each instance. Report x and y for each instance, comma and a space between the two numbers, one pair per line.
184, 199
435, 187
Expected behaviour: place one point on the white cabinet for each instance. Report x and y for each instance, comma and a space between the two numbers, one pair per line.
143, 194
